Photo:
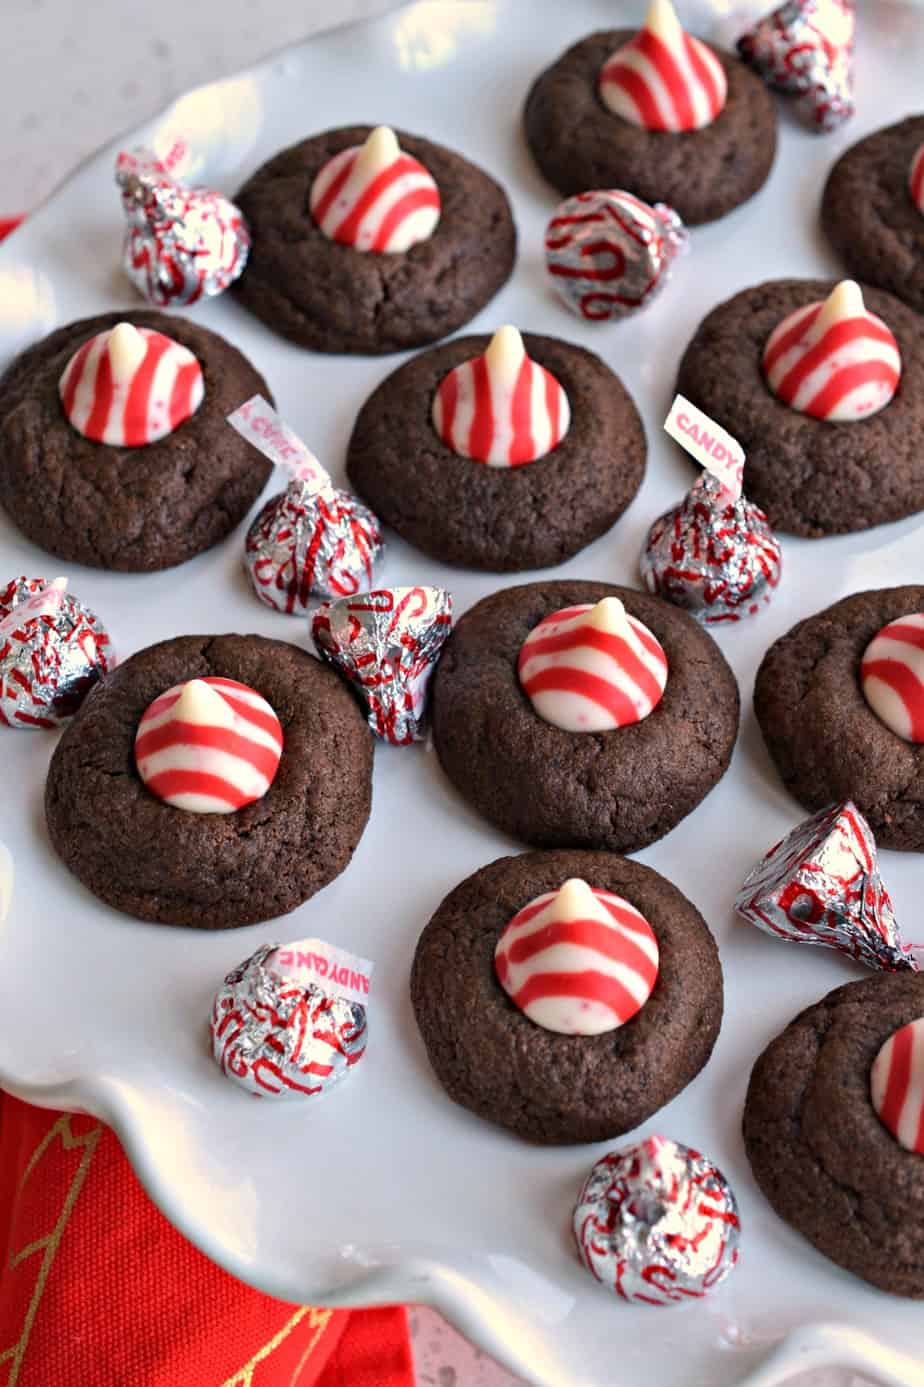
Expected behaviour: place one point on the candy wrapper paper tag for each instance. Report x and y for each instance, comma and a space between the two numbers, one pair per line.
145, 163
45, 602
318, 964
258, 422
706, 441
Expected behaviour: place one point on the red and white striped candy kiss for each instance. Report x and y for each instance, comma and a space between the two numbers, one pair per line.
501, 408
916, 180
892, 676
375, 197
897, 1086
833, 360
129, 386
578, 961
210, 746
592, 668
663, 79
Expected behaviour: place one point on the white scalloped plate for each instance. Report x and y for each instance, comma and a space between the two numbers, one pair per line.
386, 1191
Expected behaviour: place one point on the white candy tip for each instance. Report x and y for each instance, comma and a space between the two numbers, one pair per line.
608, 615
200, 703
505, 352
126, 348
662, 20
574, 898
380, 149
844, 301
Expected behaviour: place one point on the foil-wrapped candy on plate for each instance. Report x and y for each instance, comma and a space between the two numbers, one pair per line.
53, 650
805, 48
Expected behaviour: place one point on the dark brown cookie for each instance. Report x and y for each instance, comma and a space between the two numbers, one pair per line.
826, 741
551, 1088
579, 144
212, 871
868, 214
333, 298
133, 509
618, 790
498, 518
811, 477
819, 1152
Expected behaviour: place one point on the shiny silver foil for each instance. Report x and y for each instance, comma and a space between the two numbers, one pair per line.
609, 254
306, 544
50, 663
181, 244
279, 1038
821, 885
657, 1223
792, 51
386, 643
718, 559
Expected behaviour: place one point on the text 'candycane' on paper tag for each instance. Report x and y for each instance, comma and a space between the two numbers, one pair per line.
258, 422
705, 440
334, 971
45, 602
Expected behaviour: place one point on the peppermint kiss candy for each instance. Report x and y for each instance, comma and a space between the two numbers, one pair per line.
130, 386
663, 79
501, 408
609, 254
592, 668
657, 1223
892, 676
578, 961
821, 885
833, 360
916, 180
806, 47
210, 746
374, 197
53, 650
897, 1086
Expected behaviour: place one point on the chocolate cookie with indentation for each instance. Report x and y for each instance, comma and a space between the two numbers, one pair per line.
134, 509
619, 789
545, 1086
827, 743
818, 1150
811, 476
499, 518
212, 871
579, 144
334, 298
869, 216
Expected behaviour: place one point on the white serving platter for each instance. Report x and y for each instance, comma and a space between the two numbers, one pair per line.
385, 1191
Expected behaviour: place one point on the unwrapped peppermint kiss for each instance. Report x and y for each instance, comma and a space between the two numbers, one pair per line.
592, 668
53, 650
833, 360
210, 746
663, 79
657, 1223
578, 961
897, 1086
805, 47
374, 197
892, 676
501, 408
916, 180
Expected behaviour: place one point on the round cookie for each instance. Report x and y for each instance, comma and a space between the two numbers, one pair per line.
817, 1148
618, 790
868, 214
579, 144
131, 509
545, 1086
212, 871
333, 298
811, 477
827, 743
502, 519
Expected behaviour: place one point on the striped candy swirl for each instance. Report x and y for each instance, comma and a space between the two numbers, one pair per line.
501, 408
916, 180
210, 746
892, 676
592, 668
663, 79
897, 1086
578, 961
833, 360
130, 386
374, 197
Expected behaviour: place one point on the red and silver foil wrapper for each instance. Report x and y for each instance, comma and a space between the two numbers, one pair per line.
386, 643
717, 558
608, 253
281, 1037
48, 663
306, 543
181, 244
657, 1223
806, 48
821, 885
